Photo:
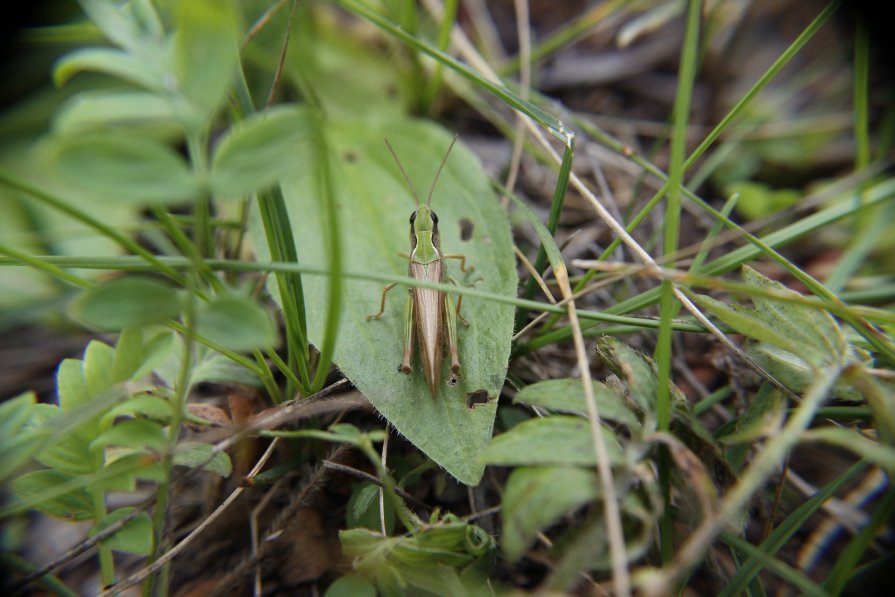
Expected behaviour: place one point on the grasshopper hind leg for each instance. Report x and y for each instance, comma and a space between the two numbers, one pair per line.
405, 366
451, 319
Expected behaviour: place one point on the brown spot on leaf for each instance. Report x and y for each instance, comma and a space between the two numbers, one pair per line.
466, 228
476, 398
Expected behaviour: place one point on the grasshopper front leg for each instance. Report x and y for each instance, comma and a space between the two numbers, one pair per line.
385, 290
462, 259
405, 366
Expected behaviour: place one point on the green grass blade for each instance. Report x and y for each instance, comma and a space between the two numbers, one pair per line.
281, 245
334, 262
671, 231
805, 585
559, 194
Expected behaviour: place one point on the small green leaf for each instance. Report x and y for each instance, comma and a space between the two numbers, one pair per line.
138, 434
155, 352
124, 466
762, 418
121, 167
74, 505
821, 341
206, 54
637, 371
351, 586
70, 385
121, 470
68, 454
134, 537
758, 200
128, 354
115, 21
363, 509
216, 368
557, 439
17, 439
146, 405
125, 302
747, 322
537, 497
194, 454
236, 323
110, 62
793, 371
567, 395
98, 362
260, 150
112, 108
15, 414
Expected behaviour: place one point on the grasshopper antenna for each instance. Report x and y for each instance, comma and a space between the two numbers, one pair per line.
440, 166
404, 172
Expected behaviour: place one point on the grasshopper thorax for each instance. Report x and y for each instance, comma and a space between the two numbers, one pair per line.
424, 239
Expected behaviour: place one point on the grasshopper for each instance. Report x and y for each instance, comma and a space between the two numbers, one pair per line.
429, 314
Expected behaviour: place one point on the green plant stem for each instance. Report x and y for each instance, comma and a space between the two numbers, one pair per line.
867, 228
388, 485
130, 264
178, 405
106, 561
671, 231
202, 232
43, 265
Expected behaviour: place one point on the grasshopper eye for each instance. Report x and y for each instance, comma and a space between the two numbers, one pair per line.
412, 217
434, 217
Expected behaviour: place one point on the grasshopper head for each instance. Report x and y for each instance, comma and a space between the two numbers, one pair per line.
424, 220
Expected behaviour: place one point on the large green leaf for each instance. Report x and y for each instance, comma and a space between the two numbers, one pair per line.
374, 205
